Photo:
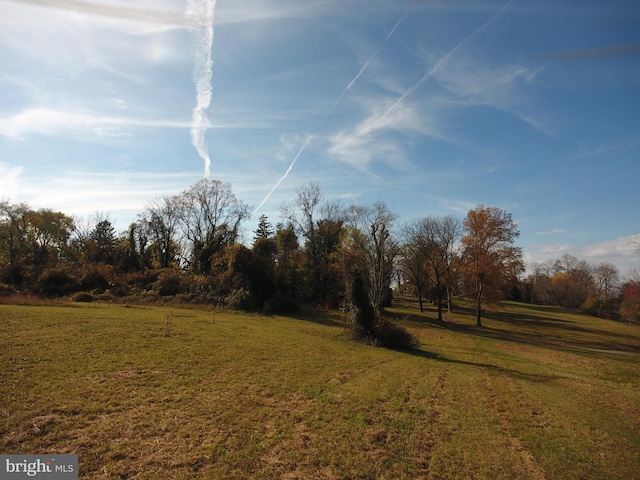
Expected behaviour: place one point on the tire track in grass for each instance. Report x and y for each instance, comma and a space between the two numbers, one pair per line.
434, 405
498, 409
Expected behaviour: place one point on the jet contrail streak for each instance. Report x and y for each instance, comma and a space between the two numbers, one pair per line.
364, 67
626, 49
309, 138
391, 32
202, 38
351, 83
444, 59
347, 88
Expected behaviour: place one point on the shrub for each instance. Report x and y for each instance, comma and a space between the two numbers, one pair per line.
201, 288
388, 298
630, 311
603, 308
142, 280
120, 289
240, 299
56, 282
96, 277
168, 283
83, 297
390, 335
7, 290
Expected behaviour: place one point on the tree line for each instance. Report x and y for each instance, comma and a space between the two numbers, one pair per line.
188, 247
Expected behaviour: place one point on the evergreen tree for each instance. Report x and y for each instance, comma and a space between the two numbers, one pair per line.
103, 238
264, 230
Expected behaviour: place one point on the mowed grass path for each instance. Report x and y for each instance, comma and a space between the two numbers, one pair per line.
531, 395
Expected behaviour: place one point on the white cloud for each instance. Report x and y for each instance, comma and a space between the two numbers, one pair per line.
10, 180
505, 88
261, 10
372, 139
50, 122
76, 193
623, 252
551, 232
122, 12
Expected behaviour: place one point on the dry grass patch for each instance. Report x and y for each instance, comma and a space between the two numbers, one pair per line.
246, 396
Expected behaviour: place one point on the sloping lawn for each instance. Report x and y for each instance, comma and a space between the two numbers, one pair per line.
536, 393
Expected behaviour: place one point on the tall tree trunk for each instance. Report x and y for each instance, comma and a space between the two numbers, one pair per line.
479, 301
440, 304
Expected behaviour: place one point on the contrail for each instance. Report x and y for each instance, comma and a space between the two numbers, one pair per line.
347, 88
202, 38
309, 138
626, 49
446, 58
364, 67
351, 83
397, 25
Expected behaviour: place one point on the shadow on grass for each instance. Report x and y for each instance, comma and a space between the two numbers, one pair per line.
496, 368
321, 316
544, 330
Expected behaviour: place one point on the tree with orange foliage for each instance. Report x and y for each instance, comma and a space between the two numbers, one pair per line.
492, 260
630, 308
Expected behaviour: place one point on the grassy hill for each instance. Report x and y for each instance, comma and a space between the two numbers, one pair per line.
536, 393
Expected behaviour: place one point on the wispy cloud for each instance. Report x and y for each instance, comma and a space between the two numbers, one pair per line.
442, 61
83, 193
261, 10
51, 122
370, 138
55, 122
585, 151
551, 232
364, 66
9, 180
336, 146
501, 87
126, 13
202, 73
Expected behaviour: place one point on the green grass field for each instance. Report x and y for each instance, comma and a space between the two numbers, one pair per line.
536, 393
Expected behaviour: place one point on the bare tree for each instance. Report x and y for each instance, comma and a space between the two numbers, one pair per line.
433, 254
161, 223
413, 258
443, 235
606, 279
373, 236
320, 224
302, 213
210, 217
633, 275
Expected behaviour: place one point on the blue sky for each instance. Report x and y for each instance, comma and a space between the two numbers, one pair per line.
434, 107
